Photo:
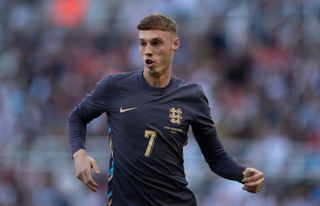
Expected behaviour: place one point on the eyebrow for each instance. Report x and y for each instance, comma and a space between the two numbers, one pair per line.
154, 39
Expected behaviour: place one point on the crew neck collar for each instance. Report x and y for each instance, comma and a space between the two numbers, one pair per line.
147, 86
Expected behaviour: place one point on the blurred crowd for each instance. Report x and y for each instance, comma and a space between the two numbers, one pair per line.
257, 60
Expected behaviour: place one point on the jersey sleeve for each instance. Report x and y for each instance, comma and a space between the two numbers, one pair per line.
92, 105
206, 135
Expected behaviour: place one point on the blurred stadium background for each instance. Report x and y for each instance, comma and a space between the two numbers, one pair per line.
257, 60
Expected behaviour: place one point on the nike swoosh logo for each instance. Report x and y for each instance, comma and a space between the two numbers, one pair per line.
122, 110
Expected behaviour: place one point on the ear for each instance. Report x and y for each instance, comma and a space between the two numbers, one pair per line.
176, 43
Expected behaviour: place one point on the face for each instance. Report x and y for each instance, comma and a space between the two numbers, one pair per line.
156, 49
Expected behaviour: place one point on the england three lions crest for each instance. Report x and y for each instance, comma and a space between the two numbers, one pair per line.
175, 115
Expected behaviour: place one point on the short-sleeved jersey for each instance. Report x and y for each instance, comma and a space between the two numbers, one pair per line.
148, 128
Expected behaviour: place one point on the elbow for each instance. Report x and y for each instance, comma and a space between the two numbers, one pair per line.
75, 117
71, 116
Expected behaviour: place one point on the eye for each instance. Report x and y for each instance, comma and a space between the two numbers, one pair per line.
156, 43
143, 44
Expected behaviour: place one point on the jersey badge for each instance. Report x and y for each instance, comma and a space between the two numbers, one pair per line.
175, 115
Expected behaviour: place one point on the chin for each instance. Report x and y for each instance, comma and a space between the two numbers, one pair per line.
153, 72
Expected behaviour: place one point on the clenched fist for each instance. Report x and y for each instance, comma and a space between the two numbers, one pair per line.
253, 180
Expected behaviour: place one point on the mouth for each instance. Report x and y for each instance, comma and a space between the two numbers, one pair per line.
149, 63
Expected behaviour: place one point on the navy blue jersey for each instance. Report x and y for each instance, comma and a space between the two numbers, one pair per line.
148, 128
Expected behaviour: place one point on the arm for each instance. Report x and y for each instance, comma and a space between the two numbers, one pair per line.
92, 106
219, 161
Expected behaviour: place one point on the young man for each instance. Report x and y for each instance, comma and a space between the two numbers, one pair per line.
149, 113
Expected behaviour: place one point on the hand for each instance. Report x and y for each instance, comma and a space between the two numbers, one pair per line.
253, 180
83, 164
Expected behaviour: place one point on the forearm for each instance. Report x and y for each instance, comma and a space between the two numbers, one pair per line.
76, 131
226, 167
219, 161
92, 106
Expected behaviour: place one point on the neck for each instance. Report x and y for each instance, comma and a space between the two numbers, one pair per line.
157, 81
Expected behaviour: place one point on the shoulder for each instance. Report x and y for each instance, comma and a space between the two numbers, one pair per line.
116, 78
121, 76
193, 89
106, 85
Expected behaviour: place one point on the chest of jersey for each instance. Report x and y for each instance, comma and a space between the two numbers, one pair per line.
152, 125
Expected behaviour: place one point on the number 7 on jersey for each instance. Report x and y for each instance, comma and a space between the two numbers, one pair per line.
152, 138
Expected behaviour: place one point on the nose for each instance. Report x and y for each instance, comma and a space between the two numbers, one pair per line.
148, 51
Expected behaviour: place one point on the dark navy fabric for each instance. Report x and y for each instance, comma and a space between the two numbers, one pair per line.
149, 128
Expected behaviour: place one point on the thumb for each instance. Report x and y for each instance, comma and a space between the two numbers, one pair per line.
95, 166
249, 172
